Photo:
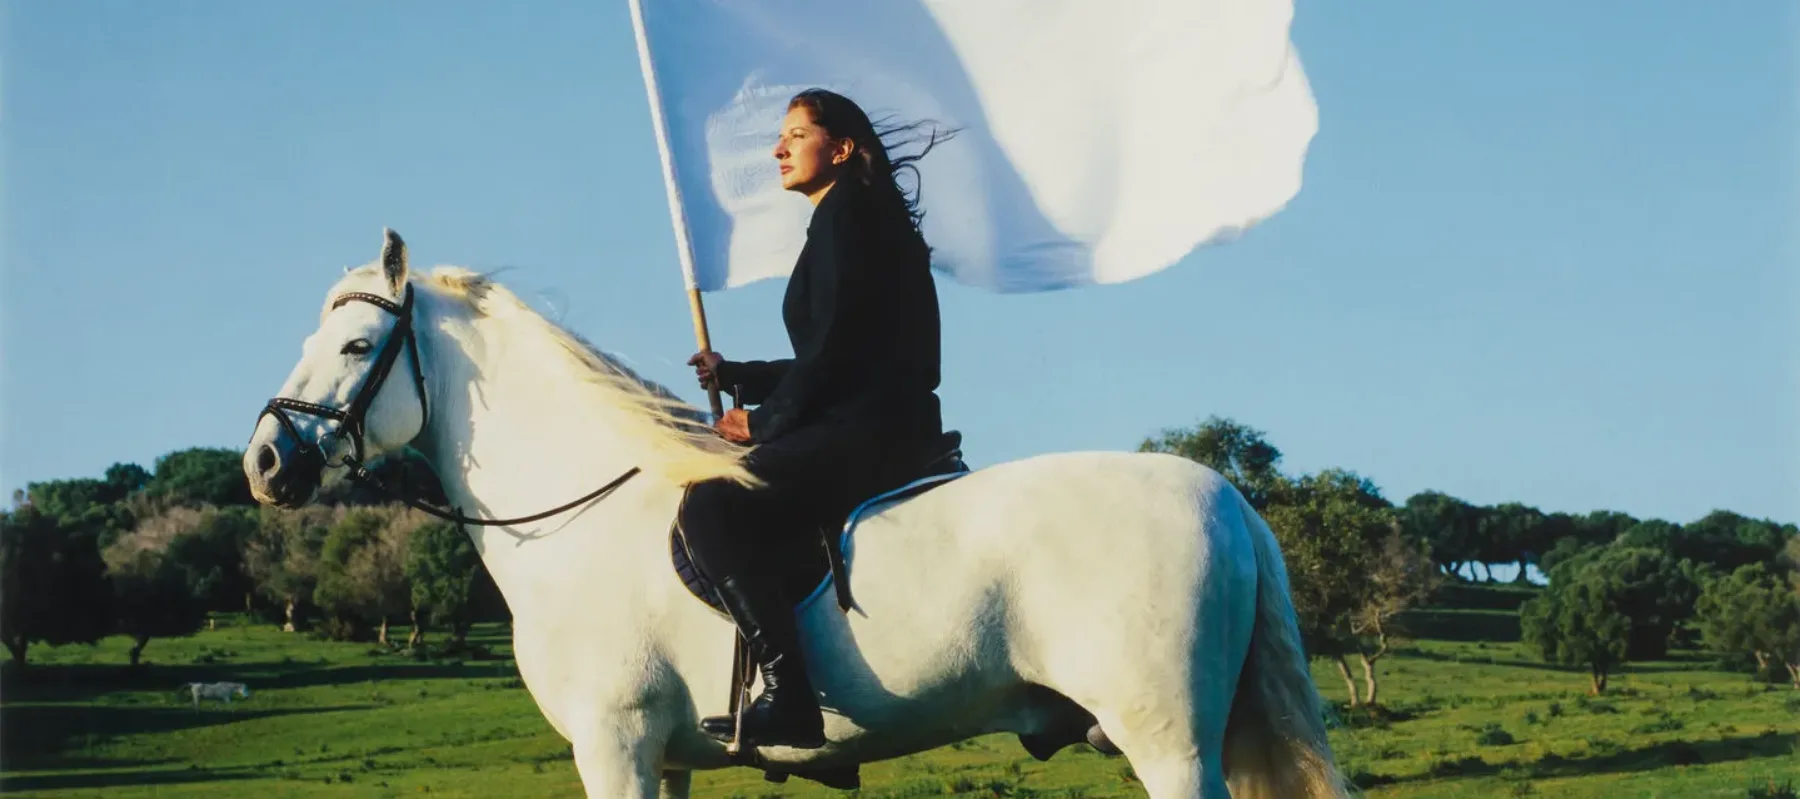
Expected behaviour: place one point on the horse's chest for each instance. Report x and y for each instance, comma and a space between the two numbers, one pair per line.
577, 676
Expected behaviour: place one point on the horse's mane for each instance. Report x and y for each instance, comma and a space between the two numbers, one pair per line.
677, 441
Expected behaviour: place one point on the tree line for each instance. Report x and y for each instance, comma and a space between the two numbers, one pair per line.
1619, 588
153, 553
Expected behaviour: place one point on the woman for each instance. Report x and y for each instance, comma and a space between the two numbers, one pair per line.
831, 422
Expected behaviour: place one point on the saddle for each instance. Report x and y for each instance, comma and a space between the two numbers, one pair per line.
940, 463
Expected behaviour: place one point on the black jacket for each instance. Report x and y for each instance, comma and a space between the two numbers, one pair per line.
862, 315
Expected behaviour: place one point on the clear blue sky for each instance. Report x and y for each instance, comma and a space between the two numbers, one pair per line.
1545, 252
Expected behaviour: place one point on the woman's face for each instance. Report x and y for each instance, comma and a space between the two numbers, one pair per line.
809, 157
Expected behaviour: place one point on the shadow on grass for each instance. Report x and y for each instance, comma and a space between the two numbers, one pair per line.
1676, 662
35, 737
114, 779
1644, 758
87, 682
1420, 654
1452, 625
349, 675
83, 764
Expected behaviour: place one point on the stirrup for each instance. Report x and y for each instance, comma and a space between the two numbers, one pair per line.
744, 668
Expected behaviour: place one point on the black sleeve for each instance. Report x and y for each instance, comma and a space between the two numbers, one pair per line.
824, 356
755, 378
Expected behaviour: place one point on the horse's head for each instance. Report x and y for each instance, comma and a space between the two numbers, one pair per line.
338, 410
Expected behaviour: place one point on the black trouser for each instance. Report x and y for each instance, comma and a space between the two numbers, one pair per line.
814, 477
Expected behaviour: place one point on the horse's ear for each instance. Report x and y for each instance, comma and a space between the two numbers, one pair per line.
393, 261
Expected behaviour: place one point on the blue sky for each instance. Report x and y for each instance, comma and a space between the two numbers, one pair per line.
1545, 252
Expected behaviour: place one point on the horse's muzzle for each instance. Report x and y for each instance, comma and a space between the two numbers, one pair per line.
280, 471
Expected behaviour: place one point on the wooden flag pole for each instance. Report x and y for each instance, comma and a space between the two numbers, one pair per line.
684, 247
705, 342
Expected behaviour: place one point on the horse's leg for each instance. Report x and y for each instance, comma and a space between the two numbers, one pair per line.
1166, 705
675, 784
610, 771
1157, 665
1174, 743
619, 761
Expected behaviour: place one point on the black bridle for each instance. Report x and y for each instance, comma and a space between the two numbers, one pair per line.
351, 422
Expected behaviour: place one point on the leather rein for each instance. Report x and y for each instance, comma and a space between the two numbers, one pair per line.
351, 423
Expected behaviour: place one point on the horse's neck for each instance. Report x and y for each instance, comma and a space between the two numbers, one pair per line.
511, 438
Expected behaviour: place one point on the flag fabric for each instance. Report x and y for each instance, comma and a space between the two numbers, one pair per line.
1098, 142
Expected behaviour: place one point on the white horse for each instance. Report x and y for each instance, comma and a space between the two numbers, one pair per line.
216, 690
1041, 596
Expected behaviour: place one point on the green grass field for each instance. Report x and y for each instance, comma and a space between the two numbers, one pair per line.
1462, 718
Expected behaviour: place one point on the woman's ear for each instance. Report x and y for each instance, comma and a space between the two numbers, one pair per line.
845, 148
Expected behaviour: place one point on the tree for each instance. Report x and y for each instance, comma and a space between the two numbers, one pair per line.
1653, 589
1571, 535
1513, 532
201, 476
1727, 540
158, 596
1577, 622
1351, 569
1657, 534
1554, 529
282, 557
379, 569
212, 550
362, 569
442, 566
53, 582
1447, 524
123, 480
83, 506
1721, 539
1755, 609
1565, 549
1403, 578
1603, 526
1234, 450
1609, 605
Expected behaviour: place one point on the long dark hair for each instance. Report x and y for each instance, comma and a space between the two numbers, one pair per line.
871, 162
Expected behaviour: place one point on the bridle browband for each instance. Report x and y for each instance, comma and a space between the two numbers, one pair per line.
351, 423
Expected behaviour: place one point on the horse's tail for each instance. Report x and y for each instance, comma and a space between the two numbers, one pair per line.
1275, 744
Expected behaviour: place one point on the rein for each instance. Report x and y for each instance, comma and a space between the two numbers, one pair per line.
351, 420
359, 472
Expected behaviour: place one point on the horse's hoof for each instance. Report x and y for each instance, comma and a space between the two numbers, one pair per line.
1096, 738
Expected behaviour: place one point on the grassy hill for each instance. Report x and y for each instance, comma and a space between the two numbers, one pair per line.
1467, 712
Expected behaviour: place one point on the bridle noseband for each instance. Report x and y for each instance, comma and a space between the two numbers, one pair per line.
351, 420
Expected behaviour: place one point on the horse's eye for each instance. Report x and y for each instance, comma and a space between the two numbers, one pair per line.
359, 346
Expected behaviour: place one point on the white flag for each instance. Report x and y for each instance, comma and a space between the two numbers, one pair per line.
1100, 141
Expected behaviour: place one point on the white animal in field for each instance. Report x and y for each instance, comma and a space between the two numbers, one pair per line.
223, 691
1135, 595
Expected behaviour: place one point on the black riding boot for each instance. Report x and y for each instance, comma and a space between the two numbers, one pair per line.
787, 711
